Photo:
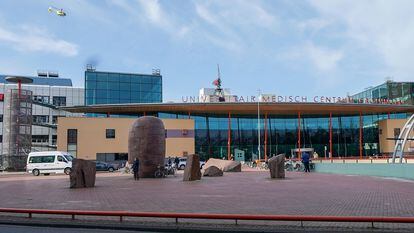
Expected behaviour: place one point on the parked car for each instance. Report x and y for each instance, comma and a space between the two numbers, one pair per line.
103, 166
47, 162
183, 162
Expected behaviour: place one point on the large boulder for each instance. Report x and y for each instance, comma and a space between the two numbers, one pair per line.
83, 174
224, 165
147, 143
192, 168
213, 171
277, 166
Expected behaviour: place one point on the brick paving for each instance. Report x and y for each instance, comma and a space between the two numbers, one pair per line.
250, 192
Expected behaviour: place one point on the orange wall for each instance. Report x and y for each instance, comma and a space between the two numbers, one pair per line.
92, 135
386, 129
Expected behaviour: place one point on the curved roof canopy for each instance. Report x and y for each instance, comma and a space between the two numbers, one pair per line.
16, 79
244, 108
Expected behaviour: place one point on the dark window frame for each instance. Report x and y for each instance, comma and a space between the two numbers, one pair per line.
72, 136
110, 133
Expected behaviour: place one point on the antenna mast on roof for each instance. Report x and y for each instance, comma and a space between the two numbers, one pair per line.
219, 91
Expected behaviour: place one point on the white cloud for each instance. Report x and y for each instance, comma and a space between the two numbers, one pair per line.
34, 39
85, 10
152, 11
234, 25
314, 25
324, 59
384, 28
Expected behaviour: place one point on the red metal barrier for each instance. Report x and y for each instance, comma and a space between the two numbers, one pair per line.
299, 218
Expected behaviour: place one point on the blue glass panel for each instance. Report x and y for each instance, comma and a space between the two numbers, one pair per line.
145, 87
136, 79
113, 85
101, 94
125, 95
114, 101
113, 77
102, 77
101, 101
90, 76
157, 97
90, 84
125, 78
135, 86
113, 94
156, 81
125, 87
101, 85
146, 79
90, 93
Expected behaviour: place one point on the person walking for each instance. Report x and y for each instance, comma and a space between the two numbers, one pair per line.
135, 168
305, 161
169, 161
176, 161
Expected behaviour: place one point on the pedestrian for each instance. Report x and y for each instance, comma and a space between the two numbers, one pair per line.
135, 168
176, 161
169, 161
305, 160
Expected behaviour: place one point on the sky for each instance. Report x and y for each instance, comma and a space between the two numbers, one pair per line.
330, 48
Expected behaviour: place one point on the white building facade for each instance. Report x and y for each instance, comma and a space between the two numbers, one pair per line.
49, 93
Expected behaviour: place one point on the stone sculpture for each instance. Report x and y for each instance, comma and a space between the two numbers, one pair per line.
192, 168
277, 166
224, 165
147, 143
83, 174
213, 171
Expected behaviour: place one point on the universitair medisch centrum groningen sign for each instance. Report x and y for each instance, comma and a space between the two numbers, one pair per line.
287, 99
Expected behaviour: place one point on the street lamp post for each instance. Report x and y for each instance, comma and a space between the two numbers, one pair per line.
258, 122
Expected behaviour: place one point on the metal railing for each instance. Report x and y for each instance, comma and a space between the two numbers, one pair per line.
234, 217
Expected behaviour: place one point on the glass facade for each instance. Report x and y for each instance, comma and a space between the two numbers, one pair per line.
395, 92
117, 88
211, 134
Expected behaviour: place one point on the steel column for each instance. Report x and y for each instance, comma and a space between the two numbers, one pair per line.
265, 139
229, 139
299, 156
360, 135
330, 136
19, 83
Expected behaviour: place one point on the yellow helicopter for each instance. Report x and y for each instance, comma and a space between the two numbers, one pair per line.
59, 12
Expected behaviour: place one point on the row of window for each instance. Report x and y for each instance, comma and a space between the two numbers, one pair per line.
125, 78
56, 100
43, 139
116, 86
90, 101
46, 159
43, 119
122, 94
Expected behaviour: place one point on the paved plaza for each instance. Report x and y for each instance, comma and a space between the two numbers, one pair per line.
251, 192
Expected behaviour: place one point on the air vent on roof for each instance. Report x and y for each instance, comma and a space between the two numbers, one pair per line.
47, 73
156, 71
53, 74
90, 67
42, 73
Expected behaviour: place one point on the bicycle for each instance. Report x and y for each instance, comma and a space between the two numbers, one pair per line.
160, 172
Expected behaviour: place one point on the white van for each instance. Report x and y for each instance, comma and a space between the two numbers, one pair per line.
47, 162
